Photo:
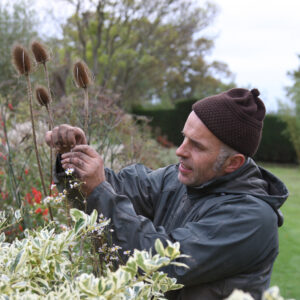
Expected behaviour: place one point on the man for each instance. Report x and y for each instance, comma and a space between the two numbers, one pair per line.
220, 206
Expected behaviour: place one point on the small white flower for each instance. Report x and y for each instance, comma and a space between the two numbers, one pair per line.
111, 230
127, 252
71, 185
76, 184
69, 171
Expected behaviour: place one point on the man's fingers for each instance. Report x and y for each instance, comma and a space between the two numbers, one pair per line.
48, 138
65, 137
86, 149
79, 136
77, 157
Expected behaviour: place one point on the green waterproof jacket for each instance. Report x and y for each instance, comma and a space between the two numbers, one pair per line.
228, 226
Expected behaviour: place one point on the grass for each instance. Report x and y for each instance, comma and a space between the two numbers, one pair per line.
286, 272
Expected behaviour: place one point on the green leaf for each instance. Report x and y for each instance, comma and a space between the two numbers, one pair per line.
79, 225
178, 264
140, 261
101, 286
17, 261
169, 251
131, 267
2, 237
93, 217
159, 247
77, 214
18, 215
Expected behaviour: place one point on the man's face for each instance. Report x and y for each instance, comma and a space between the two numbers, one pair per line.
197, 153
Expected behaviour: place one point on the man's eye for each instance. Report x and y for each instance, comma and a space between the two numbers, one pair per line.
198, 146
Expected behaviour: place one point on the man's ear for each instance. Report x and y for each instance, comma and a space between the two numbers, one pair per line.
234, 162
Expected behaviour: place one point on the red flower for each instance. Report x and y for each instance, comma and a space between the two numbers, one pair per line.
28, 198
38, 211
45, 212
37, 195
21, 227
26, 171
10, 106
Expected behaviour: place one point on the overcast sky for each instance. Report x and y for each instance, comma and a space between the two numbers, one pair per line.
260, 41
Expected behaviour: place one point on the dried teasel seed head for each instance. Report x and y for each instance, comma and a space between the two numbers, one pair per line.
21, 60
82, 74
39, 51
42, 96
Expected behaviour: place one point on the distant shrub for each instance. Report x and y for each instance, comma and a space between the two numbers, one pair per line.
275, 144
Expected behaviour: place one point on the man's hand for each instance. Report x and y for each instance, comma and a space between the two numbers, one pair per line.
87, 164
65, 137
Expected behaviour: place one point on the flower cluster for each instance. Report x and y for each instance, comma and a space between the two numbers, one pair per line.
56, 199
34, 197
109, 254
75, 185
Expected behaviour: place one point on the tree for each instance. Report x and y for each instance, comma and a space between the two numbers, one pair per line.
291, 113
17, 24
146, 49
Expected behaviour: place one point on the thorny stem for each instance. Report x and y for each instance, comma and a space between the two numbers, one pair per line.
10, 165
51, 125
86, 112
48, 107
29, 90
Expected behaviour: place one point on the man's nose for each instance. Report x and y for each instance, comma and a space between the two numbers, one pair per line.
182, 149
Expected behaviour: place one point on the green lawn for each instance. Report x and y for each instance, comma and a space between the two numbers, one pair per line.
286, 273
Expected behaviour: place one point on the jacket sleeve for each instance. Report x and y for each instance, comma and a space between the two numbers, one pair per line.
229, 239
140, 184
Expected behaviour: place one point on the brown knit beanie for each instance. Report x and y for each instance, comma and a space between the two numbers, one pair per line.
235, 117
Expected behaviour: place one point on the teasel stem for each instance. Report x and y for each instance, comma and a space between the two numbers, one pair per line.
44, 99
41, 56
86, 112
51, 124
29, 91
83, 79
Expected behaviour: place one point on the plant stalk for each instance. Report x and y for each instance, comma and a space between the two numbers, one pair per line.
86, 113
51, 124
29, 91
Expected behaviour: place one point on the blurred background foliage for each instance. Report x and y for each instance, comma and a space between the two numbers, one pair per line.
148, 58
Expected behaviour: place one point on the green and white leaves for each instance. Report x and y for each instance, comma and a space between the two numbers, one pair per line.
43, 266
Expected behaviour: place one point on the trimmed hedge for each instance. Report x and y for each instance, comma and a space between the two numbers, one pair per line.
275, 144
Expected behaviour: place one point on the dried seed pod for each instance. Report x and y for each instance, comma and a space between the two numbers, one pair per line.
82, 74
40, 53
21, 60
42, 96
